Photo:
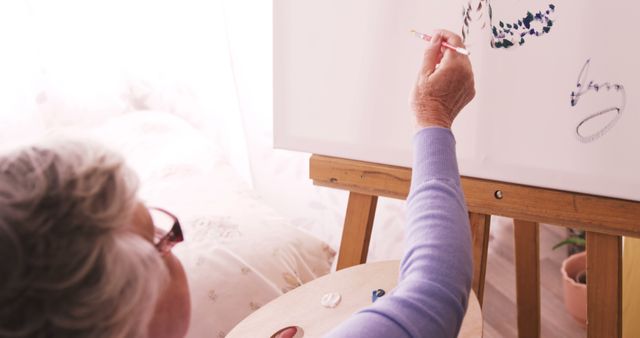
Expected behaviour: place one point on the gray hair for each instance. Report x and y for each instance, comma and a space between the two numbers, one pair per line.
68, 266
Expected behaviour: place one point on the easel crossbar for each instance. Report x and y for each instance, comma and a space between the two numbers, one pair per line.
587, 212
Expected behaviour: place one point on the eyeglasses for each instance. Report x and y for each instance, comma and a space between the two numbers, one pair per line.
167, 230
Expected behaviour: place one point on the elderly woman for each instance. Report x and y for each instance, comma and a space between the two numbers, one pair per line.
80, 256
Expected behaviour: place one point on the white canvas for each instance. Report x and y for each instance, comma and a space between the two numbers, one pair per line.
343, 71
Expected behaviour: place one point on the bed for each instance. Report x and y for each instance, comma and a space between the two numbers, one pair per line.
238, 252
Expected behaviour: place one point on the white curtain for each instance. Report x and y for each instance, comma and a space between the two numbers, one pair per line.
76, 63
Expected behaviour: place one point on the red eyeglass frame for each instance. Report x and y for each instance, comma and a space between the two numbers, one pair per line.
165, 242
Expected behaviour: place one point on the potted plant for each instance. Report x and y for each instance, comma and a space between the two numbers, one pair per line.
574, 242
574, 278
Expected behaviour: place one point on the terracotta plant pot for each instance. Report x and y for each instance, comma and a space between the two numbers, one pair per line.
575, 294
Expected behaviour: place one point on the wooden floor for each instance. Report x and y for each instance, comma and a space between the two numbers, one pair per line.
499, 308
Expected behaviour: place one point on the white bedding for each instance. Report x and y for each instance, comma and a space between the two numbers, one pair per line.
238, 253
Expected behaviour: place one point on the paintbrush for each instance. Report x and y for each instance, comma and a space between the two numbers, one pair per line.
427, 37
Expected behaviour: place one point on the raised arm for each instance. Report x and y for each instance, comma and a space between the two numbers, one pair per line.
435, 274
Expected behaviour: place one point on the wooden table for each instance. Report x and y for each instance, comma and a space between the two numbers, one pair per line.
301, 306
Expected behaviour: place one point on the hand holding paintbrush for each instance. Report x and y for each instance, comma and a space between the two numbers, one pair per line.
428, 37
445, 83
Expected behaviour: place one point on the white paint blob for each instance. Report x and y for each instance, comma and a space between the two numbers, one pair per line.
330, 300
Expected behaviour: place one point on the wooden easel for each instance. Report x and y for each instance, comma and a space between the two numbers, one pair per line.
604, 219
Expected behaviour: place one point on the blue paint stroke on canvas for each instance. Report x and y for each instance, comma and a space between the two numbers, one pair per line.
508, 34
585, 86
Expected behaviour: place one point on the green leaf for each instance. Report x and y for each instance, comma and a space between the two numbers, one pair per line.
579, 241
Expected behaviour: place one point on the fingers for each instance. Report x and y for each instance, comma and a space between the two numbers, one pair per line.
432, 56
454, 40
450, 37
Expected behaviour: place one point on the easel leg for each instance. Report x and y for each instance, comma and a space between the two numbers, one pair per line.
480, 225
357, 230
527, 255
604, 289
630, 290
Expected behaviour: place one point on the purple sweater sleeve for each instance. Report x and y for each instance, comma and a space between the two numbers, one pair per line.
435, 273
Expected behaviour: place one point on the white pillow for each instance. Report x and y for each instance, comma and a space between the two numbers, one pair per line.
238, 253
